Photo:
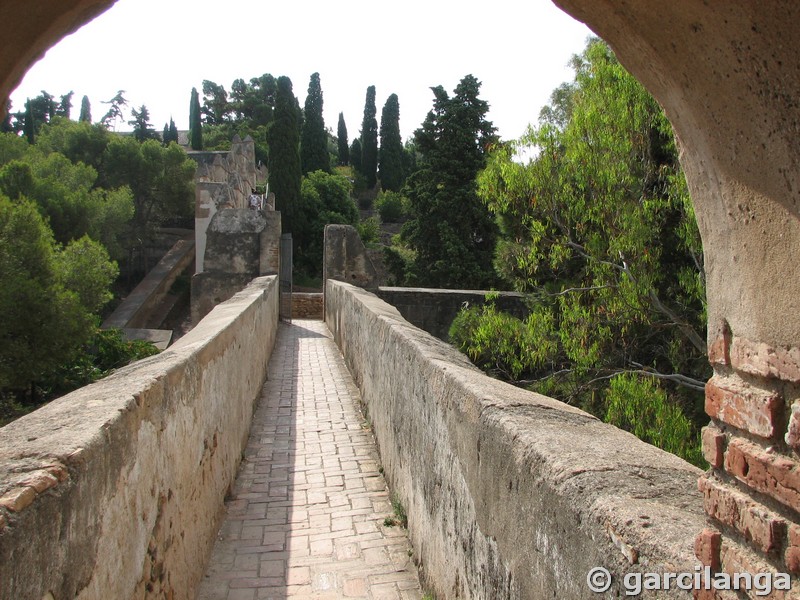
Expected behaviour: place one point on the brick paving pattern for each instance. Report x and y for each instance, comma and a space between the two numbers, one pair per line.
306, 518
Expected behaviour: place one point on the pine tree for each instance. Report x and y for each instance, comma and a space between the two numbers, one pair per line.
369, 140
142, 130
391, 150
195, 124
452, 231
86, 111
343, 148
314, 139
117, 103
284, 162
64, 108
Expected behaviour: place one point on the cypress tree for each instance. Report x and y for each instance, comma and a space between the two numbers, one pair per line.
314, 139
355, 155
369, 140
284, 162
343, 148
173, 131
170, 133
28, 126
86, 111
195, 125
391, 151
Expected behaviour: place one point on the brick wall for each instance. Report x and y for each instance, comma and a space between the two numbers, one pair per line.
306, 306
752, 492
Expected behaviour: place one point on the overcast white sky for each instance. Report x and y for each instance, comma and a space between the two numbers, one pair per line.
157, 50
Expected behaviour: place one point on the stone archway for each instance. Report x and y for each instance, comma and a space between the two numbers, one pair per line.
728, 75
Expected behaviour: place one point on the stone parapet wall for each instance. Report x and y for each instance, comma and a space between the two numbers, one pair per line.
116, 490
509, 494
136, 310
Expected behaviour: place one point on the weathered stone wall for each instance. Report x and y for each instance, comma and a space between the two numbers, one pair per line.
223, 179
240, 244
509, 494
434, 310
116, 490
345, 257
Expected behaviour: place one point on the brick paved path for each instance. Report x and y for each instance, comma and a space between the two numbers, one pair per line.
306, 518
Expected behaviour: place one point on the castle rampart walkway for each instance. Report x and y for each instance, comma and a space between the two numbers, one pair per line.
306, 516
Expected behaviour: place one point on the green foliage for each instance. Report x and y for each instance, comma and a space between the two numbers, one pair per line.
598, 228
80, 142
215, 107
12, 147
391, 151
369, 230
84, 267
502, 343
326, 198
399, 260
43, 323
343, 150
391, 206
314, 139
253, 103
29, 128
451, 230
369, 140
106, 351
160, 178
637, 404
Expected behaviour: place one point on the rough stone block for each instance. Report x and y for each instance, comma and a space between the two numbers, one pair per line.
18, 498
